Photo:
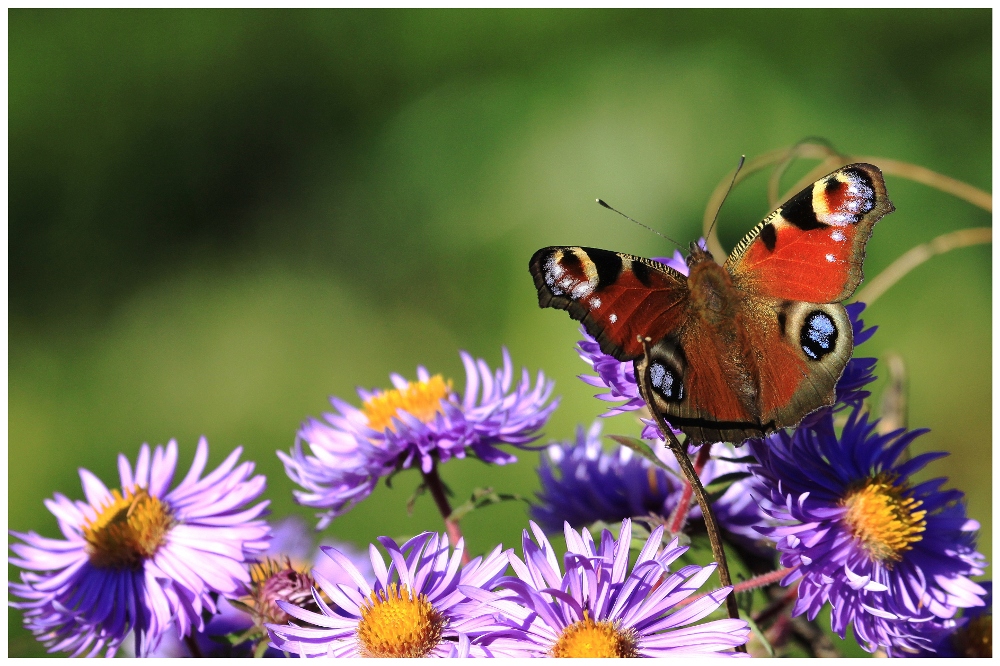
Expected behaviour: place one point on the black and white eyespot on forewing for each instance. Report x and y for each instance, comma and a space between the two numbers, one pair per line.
818, 335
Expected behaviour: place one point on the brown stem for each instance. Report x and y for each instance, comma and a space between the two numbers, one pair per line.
699, 490
192, 646
681, 511
433, 482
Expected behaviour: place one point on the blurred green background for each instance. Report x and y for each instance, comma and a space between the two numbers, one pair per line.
219, 218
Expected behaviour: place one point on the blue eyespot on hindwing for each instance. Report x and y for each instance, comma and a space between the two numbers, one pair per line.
818, 335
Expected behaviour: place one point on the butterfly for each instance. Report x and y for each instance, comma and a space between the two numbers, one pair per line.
741, 349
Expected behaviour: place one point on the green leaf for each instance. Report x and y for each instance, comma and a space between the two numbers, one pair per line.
758, 634
722, 483
482, 497
238, 637
642, 448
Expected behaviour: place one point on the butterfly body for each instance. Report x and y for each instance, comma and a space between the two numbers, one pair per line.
739, 349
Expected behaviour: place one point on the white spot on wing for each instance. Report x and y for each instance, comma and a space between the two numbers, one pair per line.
831, 258
838, 235
613, 318
595, 303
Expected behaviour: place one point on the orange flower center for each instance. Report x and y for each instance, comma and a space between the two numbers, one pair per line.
397, 623
421, 399
586, 638
127, 530
886, 523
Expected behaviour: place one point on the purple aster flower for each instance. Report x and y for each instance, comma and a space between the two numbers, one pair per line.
890, 555
143, 558
598, 609
619, 377
583, 484
415, 424
414, 608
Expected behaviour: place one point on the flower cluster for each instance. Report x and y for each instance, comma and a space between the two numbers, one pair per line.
415, 424
194, 570
424, 605
891, 556
144, 558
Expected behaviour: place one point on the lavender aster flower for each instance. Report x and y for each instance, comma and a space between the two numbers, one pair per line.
413, 609
598, 609
583, 484
143, 558
416, 423
889, 555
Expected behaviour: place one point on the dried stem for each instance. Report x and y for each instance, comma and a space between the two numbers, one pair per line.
687, 468
918, 255
433, 482
831, 160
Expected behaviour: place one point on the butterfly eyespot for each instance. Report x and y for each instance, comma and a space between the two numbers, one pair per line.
666, 381
818, 335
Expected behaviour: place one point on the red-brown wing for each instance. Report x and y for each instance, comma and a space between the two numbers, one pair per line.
811, 249
617, 296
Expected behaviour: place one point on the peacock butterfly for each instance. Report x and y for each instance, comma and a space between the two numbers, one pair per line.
745, 348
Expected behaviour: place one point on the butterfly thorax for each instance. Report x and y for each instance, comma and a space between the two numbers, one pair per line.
713, 294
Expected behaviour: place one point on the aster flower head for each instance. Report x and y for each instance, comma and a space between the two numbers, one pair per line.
143, 558
415, 424
413, 608
891, 556
583, 484
598, 608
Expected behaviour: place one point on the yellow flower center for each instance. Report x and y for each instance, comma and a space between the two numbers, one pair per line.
128, 530
587, 638
421, 399
975, 639
885, 522
397, 623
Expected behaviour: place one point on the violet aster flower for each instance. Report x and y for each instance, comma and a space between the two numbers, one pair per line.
414, 608
598, 609
143, 558
415, 424
619, 377
888, 554
583, 484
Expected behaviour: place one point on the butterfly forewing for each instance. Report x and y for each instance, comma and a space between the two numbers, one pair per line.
812, 248
616, 296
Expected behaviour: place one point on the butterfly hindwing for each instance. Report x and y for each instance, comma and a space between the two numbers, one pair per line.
616, 296
812, 248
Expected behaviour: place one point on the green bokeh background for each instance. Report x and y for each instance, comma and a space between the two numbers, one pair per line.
219, 218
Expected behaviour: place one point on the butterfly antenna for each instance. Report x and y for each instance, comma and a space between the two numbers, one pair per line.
743, 158
606, 205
